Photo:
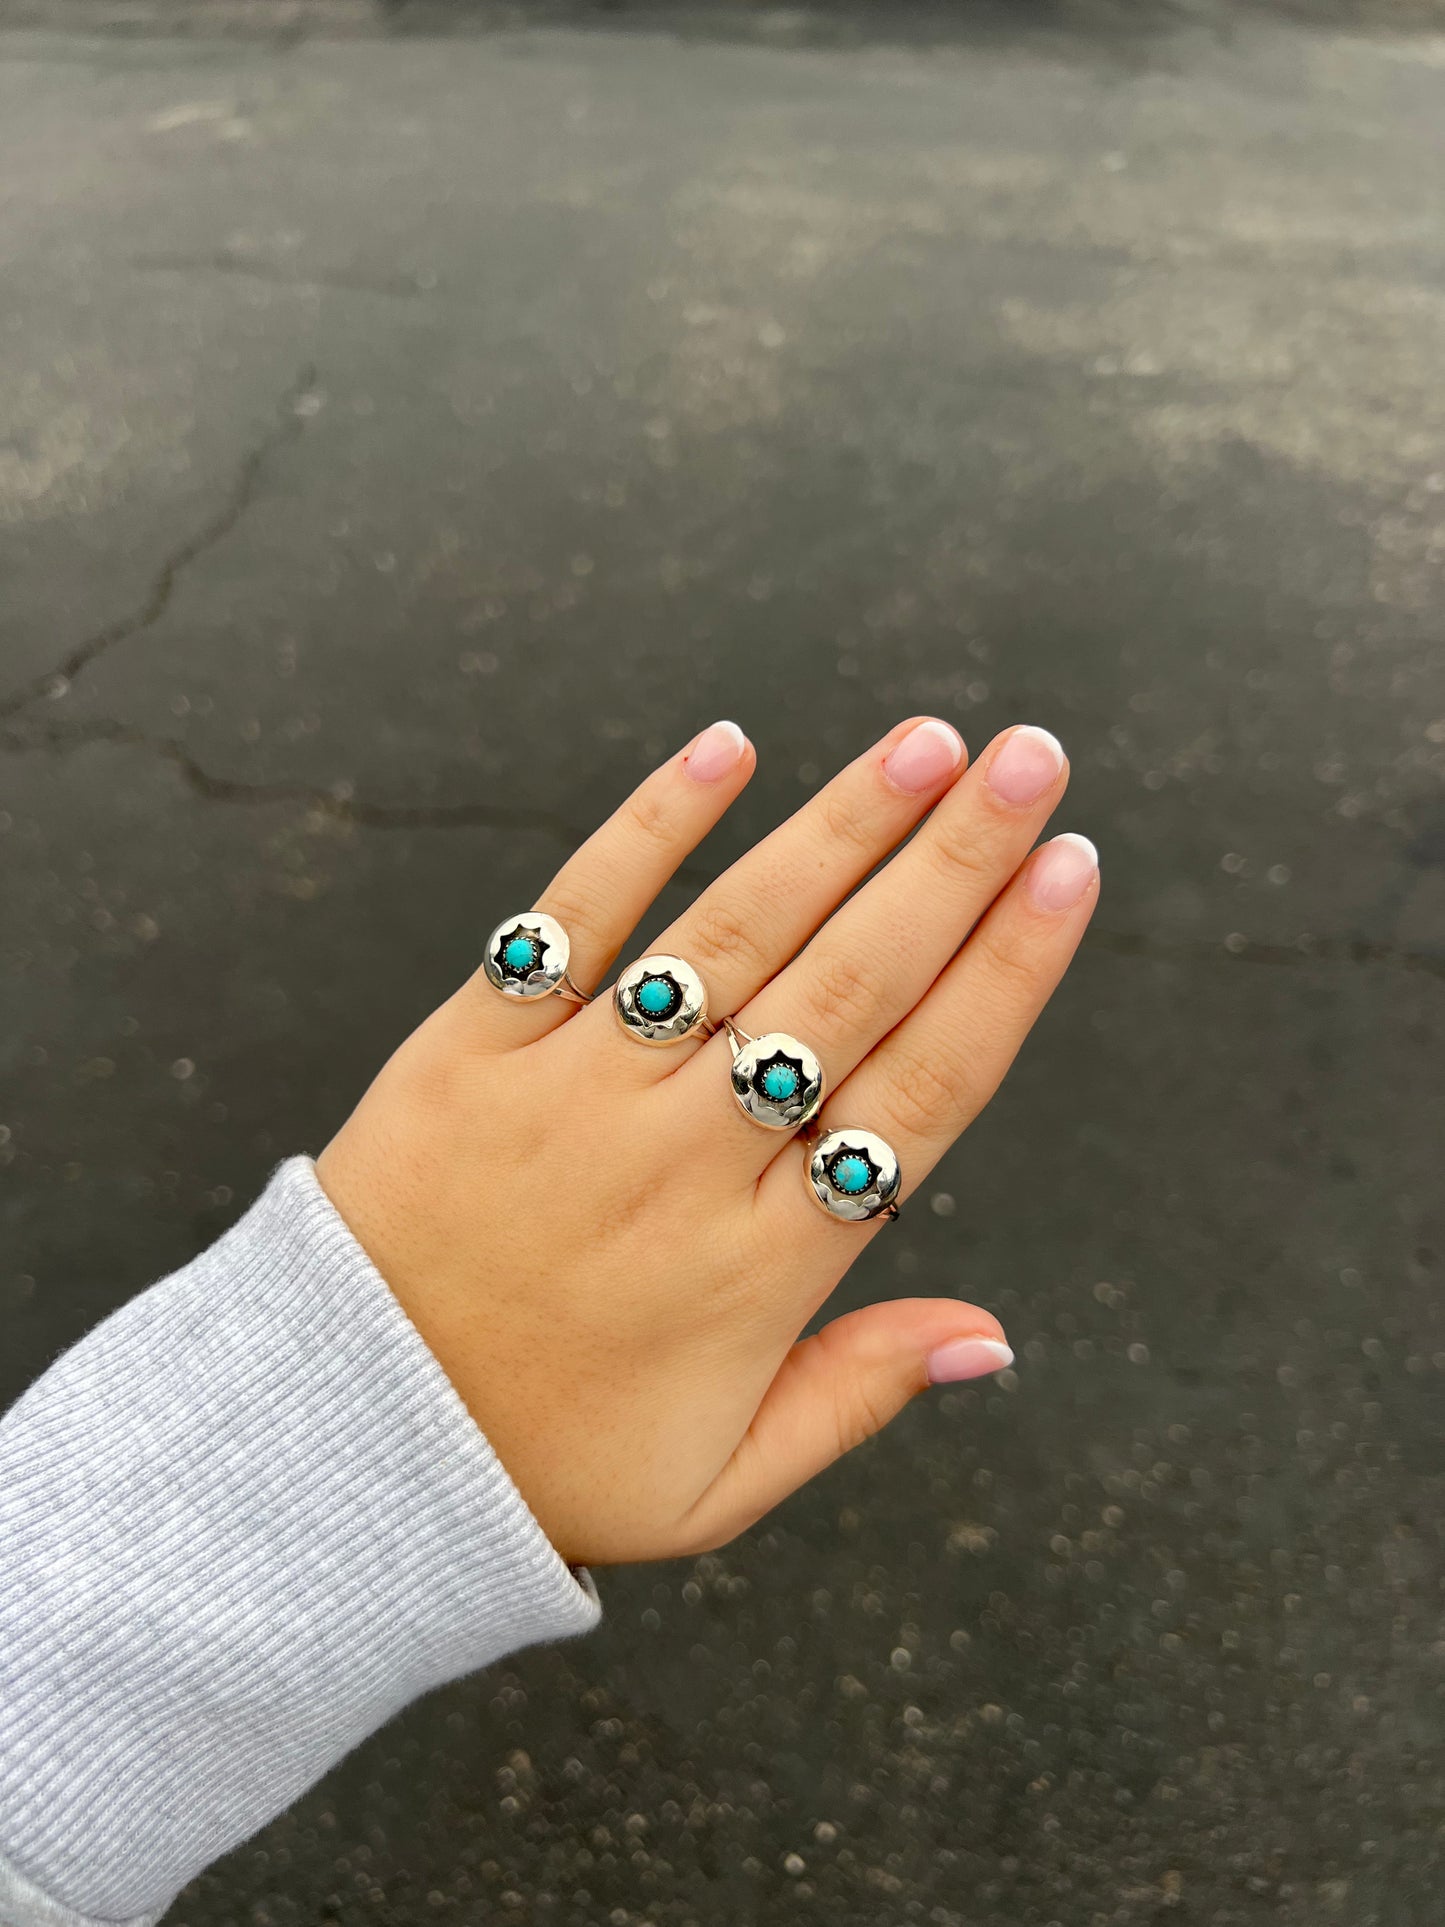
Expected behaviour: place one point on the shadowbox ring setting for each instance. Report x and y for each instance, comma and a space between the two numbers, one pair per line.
776, 1079
854, 1175
527, 957
661, 1000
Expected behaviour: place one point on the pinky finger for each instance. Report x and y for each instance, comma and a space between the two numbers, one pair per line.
933, 1074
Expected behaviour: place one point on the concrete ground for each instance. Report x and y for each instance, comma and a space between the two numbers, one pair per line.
405, 438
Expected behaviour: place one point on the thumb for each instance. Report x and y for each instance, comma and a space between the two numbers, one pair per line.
836, 1389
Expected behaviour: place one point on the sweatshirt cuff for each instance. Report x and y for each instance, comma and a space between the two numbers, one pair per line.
242, 1523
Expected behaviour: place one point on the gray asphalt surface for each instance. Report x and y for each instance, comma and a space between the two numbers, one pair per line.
406, 440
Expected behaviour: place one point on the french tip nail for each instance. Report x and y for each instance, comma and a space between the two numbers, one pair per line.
1062, 872
928, 755
1028, 764
1080, 843
1046, 737
964, 1358
719, 748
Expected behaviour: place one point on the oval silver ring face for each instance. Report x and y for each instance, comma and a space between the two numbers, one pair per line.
527, 956
853, 1175
777, 1081
660, 1000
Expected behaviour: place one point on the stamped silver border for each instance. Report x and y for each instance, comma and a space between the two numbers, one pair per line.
855, 1207
690, 1015
549, 974
794, 1111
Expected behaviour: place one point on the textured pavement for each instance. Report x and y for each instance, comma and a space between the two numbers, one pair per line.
406, 440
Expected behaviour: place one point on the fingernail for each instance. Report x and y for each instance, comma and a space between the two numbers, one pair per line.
1024, 768
1062, 871
964, 1358
928, 754
715, 752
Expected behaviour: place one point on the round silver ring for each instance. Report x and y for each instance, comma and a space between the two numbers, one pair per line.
661, 1000
854, 1176
527, 957
776, 1080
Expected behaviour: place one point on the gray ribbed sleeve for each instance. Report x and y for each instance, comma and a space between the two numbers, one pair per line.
242, 1523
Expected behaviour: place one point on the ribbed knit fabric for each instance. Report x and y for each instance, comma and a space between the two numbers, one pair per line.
242, 1523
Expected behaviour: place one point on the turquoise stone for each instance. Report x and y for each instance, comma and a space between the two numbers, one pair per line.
520, 953
780, 1082
655, 997
850, 1175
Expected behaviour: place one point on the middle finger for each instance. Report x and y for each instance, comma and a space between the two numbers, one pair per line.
879, 954
757, 916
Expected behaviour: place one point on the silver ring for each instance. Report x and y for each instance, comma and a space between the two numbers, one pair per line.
854, 1175
776, 1080
661, 1000
527, 957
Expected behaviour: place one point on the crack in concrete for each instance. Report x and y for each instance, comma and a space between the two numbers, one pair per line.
61, 738
54, 682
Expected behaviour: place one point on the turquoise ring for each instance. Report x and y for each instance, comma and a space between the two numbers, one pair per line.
527, 957
661, 1000
854, 1175
776, 1079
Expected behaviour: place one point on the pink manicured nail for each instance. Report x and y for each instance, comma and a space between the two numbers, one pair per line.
928, 754
1024, 768
715, 752
964, 1358
1062, 871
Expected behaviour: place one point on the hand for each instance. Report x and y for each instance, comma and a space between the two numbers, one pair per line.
610, 1261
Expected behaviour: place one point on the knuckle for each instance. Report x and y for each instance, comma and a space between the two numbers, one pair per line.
1010, 972
844, 821
649, 817
871, 1409
844, 995
955, 845
859, 1405
849, 1428
719, 934
578, 910
925, 1090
